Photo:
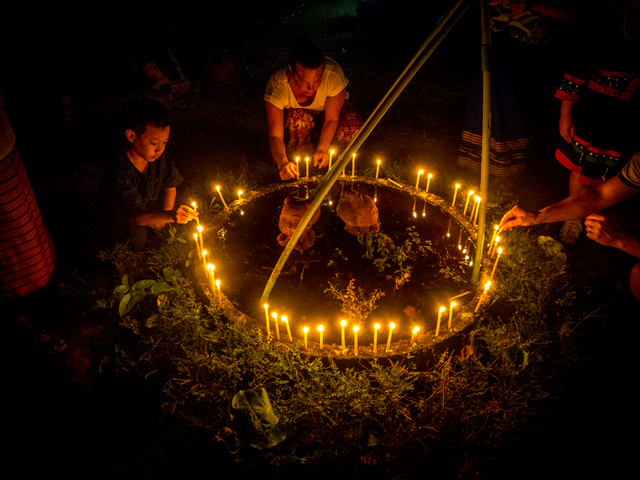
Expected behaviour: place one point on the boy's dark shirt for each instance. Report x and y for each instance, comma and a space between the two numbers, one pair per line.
125, 192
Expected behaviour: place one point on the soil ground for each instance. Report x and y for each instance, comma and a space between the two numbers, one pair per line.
68, 419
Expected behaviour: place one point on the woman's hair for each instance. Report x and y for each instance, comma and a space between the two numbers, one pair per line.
143, 113
307, 54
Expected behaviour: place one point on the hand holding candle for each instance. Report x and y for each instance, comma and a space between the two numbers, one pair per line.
195, 207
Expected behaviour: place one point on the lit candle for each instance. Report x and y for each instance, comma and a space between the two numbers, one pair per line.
343, 323
455, 192
266, 317
200, 229
449, 228
239, 194
305, 330
211, 269
414, 333
378, 168
298, 165
440, 312
355, 338
475, 217
496, 263
493, 237
195, 207
219, 291
275, 318
321, 330
286, 322
484, 294
467, 203
495, 245
195, 239
353, 166
330, 158
420, 172
307, 160
428, 182
221, 197
204, 261
375, 337
391, 327
473, 209
451, 307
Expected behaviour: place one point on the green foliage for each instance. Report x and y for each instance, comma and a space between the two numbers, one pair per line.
355, 304
210, 370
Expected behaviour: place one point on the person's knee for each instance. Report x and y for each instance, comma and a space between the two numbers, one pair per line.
634, 281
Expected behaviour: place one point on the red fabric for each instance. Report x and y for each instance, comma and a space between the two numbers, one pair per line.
27, 254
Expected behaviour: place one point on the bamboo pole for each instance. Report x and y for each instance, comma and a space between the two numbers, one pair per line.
441, 30
486, 137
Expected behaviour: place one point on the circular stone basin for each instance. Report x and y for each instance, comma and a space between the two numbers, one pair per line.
431, 263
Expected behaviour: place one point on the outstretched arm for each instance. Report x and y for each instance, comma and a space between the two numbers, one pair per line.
275, 123
332, 109
590, 200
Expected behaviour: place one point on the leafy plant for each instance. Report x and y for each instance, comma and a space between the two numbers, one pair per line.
356, 304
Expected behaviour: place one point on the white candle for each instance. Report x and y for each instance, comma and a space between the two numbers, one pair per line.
307, 160
440, 312
495, 245
221, 197
414, 333
475, 217
493, 237
211, 269
467, 203
286, 322
428, 182
451, 307
375, 337
353, 166
455, 192
330, 158
496, 263
195, 239
275, 318
355, 338
195, 207
476, 199
391, 327
305, 330
420, 172
321, 329
204, 262
219, 291
239, 194
343, 323
378, 168
200, 236
484, 294
266, 316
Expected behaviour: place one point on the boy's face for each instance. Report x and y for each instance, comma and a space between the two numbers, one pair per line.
151, 143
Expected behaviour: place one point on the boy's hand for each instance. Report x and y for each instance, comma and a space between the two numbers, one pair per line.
516, 216
185, 214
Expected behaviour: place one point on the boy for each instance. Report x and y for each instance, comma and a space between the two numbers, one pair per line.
138, 190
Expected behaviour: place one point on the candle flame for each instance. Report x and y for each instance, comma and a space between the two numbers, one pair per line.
320, 328
204, 252
500, 251
442, 309
487, 285
378, 161
210, 267
376, 326
343, 323
199, 228
218, 187
420, 172
356, 328
305, 329
392, 325
471, 192
274, 315
416, 329
284, 318
218, 284
453, 304
266, 306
